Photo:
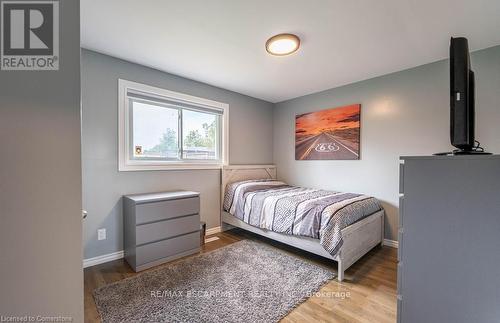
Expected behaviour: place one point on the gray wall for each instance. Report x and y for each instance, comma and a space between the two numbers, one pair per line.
250, 141
405, 113
40, 184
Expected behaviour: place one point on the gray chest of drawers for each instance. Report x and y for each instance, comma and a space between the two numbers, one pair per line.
449, 239
160, 227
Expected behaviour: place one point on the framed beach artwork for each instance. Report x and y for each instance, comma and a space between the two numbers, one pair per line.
330, 134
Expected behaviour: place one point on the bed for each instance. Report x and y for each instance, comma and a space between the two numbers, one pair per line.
356, 238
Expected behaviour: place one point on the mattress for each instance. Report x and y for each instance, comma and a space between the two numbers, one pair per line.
314, 213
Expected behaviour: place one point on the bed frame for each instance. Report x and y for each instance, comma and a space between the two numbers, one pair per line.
359, 238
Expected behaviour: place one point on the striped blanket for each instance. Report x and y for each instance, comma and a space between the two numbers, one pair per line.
319, 214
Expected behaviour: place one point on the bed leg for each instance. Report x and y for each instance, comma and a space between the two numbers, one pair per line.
340, 271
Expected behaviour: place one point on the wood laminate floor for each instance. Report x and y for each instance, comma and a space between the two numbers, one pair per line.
368, 293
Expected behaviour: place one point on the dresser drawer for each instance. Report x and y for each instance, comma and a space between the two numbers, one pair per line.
167, 248
150, 212
400, 243
401, 178
401, 211
400, 278
166, 229
400, 308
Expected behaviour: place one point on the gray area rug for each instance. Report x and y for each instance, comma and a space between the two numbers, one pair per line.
246, 281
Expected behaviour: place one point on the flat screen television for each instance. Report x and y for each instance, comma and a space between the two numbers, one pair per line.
462, 100
461, 96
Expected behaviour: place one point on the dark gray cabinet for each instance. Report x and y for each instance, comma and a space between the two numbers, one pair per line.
449, 239
160, 227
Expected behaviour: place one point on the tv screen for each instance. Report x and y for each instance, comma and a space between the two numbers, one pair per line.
461, 96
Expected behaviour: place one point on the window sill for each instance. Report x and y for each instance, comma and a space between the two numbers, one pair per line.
173, 166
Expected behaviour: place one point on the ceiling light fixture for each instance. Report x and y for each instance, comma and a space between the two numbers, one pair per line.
283, 44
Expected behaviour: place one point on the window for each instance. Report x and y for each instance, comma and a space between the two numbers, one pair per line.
155, 131
162, 130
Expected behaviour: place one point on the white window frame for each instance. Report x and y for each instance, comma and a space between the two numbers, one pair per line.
125, 163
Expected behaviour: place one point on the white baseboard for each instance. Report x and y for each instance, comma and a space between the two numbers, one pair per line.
102, 259
391, 243
213, 231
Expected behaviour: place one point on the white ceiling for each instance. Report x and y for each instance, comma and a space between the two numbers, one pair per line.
221, 42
